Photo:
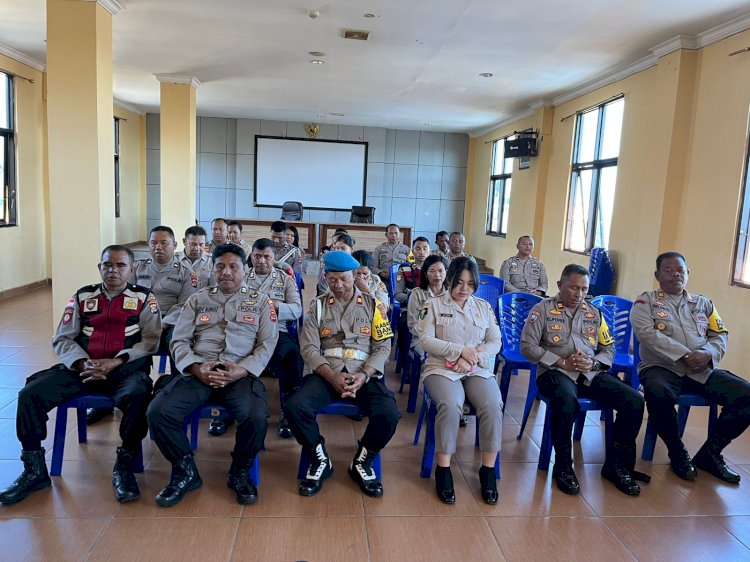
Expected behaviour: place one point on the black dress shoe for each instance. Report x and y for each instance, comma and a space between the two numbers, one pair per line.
714, 463
285, 432
444, 485
566, 480
94, 415
218, 426
239, 480
488, 484
363, 473
184, 478
681, 464
620, 476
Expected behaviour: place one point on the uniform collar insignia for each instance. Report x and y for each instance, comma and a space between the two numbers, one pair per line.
583, 306
690, 298
214, 290
660, 294
560, 305
359, 299
330, 300
251, 275
243, 289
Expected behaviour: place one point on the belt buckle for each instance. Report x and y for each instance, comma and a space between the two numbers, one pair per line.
350, 353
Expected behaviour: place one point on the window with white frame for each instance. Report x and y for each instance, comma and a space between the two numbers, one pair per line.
7, 152
594, 176
498, 201
741, 274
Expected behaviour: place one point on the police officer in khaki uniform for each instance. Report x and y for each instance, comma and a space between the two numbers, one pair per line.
389, 252
365, 281
682, 340
234, 235
442, 244
407, 277
219, 234
345, 343
195, 258
523, 273
104, 342
223, 340
570, 343
456, 245
431, 285
283, 250
461, 337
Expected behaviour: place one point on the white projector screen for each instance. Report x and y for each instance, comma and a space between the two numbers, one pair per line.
319, 174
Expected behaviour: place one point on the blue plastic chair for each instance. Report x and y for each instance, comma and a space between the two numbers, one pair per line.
298, 279
490, 290
601, 273
429, 412
684, 402
395, 308
61, 424
340, 408
616, 312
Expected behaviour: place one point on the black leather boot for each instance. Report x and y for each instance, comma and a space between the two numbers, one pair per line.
123, 479
709, 458
362, 473
320, 468
34, 477
488, 484
239, 480
184, 478
565, 478
615, 470
444, 485
285, 432
682, 466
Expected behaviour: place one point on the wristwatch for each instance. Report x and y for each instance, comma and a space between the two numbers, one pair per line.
596, 366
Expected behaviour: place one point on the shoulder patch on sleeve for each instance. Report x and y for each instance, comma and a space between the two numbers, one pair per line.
381, 327
605, 338
715, 323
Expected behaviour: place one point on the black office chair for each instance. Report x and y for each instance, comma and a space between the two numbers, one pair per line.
362, 215
291, 211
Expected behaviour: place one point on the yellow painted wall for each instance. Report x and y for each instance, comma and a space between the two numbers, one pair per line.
131, 224
24, 256
682, 156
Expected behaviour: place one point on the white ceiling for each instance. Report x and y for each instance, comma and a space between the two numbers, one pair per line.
420, 65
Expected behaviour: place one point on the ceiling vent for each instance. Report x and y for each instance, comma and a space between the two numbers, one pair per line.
356, 34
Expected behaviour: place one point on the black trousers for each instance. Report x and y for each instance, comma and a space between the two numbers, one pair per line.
245, 399
287, 362
129, 385
402, 335
374, 399
606, 389
662, 387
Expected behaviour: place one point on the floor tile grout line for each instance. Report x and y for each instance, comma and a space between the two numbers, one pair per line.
236, 534
619, 539
100, 536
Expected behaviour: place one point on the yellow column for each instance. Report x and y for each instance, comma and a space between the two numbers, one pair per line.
177, 126
80, 141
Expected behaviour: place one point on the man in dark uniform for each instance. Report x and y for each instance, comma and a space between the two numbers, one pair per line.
345, 343
104, 342
682, 340
570, 343
221, 344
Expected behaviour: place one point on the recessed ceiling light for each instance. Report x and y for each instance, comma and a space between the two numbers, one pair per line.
317, 61
320, 117
370, 16
428, 124
336, 114
486, 74
316, 54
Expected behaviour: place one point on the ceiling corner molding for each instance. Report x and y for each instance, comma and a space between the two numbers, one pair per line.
637, 66
688, 42
11, 53
539, 104
502, 123
732, 27
178, 79
112, 6
128, 107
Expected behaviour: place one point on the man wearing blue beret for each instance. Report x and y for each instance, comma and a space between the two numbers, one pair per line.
345, 345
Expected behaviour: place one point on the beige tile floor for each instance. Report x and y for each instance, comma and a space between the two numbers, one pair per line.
78, 519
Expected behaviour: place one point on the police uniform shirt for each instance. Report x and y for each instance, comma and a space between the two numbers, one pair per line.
97, 325
282, 289
552, 332
523, 275
407, 279
377, 288
241, 327
201, 269
417, 298
451, 256
386, 255
359, 325
668, 327
441, 253
445, 329
289, 254
172, 284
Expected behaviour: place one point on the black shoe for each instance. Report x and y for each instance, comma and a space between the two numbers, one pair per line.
713, 463
285, 432
681, 464
185, 478
94, 415
488, 484
444, 485
620, 476
463, 422
123, 479
239, 480
320, 468
34, 477
218, 426
566, 480
362, 473
355, 417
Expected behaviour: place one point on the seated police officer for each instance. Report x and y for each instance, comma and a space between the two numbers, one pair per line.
195, 258
682, 340
221, 344
104, 342
345, 344
523, 273
570, 343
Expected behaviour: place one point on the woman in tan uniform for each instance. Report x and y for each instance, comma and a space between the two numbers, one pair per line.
431, 284
461, 337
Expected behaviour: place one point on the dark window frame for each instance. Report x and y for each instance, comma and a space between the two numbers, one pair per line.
9, 214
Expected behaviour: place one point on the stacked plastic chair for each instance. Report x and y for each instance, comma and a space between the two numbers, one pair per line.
601, 272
